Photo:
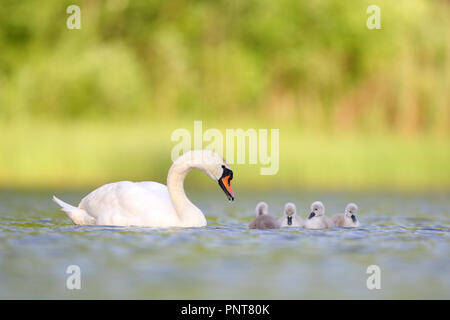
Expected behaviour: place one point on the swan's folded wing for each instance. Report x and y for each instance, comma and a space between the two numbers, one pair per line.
150, 203
129, 203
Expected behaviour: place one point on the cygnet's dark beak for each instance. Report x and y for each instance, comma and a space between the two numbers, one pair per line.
289, 222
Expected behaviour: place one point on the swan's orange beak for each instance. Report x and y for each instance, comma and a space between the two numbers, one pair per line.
224, 183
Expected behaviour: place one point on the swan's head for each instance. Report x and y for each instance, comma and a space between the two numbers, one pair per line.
213, 165
350, 211
262, 208
217, 169
317, 209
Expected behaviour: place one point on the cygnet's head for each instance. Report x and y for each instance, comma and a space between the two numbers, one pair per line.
317, 209
350, 211
290, 209
262, 208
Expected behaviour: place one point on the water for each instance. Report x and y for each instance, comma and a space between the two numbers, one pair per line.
407, 236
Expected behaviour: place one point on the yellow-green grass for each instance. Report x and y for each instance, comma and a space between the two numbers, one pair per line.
77, 155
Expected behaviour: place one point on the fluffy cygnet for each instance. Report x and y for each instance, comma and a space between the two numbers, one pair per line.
348, 218
317, 218
290, 218
263, 220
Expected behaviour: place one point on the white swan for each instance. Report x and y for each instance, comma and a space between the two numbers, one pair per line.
317, 218
348, 218
290, 218
149, 203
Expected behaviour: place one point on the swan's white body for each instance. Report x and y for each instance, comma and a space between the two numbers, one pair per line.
149, 204
126, 203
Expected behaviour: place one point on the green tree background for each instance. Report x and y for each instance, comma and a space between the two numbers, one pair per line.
356, 108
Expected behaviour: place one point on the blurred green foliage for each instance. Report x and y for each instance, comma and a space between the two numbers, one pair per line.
298, 60
309, 65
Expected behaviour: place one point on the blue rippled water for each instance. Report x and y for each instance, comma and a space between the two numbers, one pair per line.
406, 235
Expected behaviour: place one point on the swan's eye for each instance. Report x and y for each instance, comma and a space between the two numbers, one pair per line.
223, 167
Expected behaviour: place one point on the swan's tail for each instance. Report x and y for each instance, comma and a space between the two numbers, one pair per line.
77, 215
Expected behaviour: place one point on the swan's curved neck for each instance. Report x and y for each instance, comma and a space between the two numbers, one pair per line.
187, 212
